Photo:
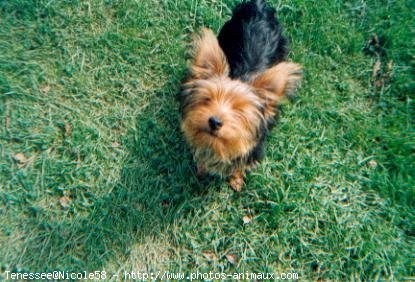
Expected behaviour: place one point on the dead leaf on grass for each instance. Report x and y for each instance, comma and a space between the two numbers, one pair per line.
377, 76
375, 40
389, 69
209, 256
376, 69
45, 89
373, 163
65, 202
68, 129
20, 158
247, 219
7, 122
232, 258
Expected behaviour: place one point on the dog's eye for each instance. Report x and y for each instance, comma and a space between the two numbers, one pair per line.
206, 100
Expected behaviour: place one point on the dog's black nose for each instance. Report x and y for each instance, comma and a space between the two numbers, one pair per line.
215, 123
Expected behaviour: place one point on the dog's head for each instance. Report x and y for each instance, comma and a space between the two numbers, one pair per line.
228, 116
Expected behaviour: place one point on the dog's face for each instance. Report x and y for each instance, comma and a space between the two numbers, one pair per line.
222, 116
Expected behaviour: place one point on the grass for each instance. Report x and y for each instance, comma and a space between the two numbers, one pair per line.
94, 173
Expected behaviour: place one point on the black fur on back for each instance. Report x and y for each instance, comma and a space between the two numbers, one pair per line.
252, 39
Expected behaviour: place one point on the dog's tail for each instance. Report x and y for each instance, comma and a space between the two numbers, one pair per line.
248, 7
261, 5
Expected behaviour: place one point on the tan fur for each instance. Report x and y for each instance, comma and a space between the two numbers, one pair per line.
236, 181
276, 83
233, 102
209, 57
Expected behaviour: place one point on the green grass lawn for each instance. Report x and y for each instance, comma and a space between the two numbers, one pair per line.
95, 175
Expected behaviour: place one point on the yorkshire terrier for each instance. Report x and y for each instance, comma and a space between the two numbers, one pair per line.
236, 83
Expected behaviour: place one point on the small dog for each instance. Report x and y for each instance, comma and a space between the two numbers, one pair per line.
230, 100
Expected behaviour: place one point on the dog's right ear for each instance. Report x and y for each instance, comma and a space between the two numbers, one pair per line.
209, 59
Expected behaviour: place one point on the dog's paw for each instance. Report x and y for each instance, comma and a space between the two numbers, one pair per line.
237, 181
200, 171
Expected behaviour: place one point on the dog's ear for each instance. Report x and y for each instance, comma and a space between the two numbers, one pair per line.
277, 83
209, 59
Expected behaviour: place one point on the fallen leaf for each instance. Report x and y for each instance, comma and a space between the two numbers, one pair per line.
247, 219
379, 83
68, 129
20, 158
7, 122
375, 40
389, 69
373, 163
65, 201
232, 258
390, 65
209, 256
376, 69
45, 89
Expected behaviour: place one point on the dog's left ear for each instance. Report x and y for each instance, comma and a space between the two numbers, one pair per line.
276, 83
209, 59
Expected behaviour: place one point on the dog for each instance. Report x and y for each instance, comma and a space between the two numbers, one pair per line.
237, 81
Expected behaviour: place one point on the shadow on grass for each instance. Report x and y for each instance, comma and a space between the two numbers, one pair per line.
157, 188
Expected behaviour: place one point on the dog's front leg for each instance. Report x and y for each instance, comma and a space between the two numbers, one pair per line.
236, 180
201, 170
